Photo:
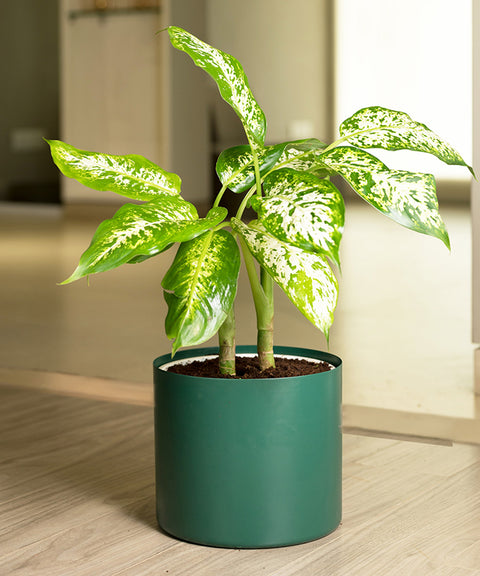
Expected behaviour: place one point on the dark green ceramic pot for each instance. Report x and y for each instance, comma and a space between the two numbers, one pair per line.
248, 463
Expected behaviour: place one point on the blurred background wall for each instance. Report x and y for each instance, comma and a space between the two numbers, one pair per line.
29, 99
95, 73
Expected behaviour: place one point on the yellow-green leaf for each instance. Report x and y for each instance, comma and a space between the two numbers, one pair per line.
137, 232
378, 127
200, 287
231, 80
408, 198
305, 277
132, 176
303, 210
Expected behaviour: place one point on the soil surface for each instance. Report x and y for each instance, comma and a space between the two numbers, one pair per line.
248, 368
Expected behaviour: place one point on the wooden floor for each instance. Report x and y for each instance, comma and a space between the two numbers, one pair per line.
77, 498
76, 438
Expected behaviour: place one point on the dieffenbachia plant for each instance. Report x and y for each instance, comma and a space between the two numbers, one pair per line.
296, 235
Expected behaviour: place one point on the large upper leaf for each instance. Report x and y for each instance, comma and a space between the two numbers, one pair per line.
305, 277
378, 127
132, 176
303, 210
230, 78
139, 231
200, 287
235, 165
408, 198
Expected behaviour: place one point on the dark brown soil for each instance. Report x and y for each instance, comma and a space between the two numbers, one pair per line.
248, 368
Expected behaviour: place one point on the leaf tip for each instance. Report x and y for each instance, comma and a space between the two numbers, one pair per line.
446, 240
77, 274
176, 345
67, 281
326, 333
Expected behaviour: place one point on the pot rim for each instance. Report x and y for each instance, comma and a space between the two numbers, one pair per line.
162, 363
186, 361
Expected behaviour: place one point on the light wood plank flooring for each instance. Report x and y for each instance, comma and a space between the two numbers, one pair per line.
77, 498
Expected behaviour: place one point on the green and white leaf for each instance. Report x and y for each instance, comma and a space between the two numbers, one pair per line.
132, 176
200, 287
235, 168
302, 155
408, 198
301, 209
137, 232
230, 78
378, 127
305, 277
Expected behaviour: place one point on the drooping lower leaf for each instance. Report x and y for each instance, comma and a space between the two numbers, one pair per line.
230, 78
305, 277
408, 198
200, 287
378, 127
137, 232
303, 210
235, 165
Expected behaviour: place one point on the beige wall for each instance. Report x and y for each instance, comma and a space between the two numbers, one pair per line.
285, 49
126, 90
475, 202
108, 88
186, 108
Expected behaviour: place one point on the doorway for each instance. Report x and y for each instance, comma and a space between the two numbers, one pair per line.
29, 100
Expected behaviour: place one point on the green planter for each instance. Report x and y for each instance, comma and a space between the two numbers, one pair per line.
248, 463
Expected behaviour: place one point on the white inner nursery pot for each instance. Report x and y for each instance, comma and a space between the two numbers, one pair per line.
196, 366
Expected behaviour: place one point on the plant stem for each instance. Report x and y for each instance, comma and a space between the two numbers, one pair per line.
265, 324
226, 338
219, 196
243, 205
262, 292
258, 181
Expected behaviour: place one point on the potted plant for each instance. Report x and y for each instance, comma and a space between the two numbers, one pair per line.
254, 462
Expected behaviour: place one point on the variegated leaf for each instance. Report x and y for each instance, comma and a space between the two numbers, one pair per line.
305, 277
200, 287
303, 210
378, 127
301, 155
408, 198
132, 176
235, 165
230, 78
137, 232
